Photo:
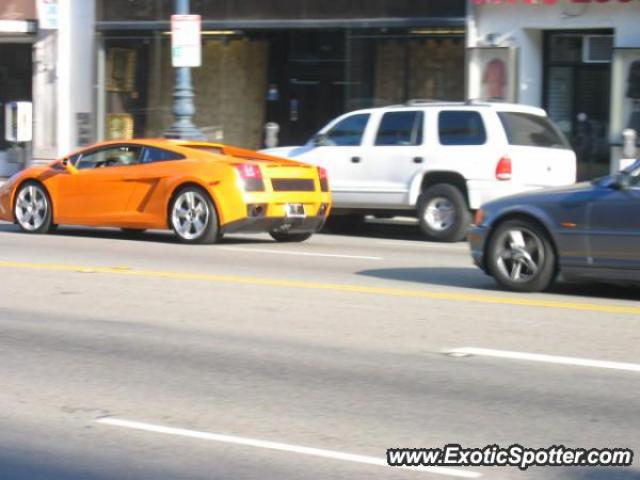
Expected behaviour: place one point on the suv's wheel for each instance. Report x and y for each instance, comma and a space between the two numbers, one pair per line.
443, 214
32, 209
289, 237
193, 217
520, 257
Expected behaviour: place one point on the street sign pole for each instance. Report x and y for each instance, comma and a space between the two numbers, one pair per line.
185, 53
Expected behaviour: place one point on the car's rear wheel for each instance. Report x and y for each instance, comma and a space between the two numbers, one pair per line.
443, 214
32, 209
193, 217
289, 237
520, 257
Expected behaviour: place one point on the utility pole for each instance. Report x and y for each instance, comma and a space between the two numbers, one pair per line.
183, 95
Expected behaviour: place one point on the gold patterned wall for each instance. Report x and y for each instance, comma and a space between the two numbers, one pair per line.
230, 89
434, 70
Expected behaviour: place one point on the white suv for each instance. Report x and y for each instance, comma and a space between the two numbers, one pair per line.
437, 161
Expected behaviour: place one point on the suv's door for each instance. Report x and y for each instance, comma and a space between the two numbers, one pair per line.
462, 143
540, 154
391, 158
98, 193
339, 150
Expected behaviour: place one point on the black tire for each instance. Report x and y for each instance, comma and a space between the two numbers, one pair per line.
29, 197
438, 197
503, 254
347, 223
290, 237
210, 232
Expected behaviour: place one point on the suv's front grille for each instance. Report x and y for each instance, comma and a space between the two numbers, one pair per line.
292, 185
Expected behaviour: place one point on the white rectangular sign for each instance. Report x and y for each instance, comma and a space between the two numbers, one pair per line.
47, 14
185, 41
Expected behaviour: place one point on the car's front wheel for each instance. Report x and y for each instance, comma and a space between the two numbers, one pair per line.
443, 214
193, 216
289, 237
520, 257
32, 209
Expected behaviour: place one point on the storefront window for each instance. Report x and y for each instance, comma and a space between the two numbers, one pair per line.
300, 79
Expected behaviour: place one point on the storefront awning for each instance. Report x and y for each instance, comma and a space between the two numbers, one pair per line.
544, 2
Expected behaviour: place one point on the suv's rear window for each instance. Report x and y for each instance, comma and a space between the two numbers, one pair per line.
530, 130
400, 128
461, 127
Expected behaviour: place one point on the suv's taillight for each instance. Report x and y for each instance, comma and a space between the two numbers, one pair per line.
324, 179
251, 177
503, 169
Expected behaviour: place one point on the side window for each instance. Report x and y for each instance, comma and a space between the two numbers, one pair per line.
530, 130
152, 154
400, 128
113, 156
348, 131
461, 127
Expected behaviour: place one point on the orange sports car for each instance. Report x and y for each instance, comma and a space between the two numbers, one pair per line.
200, 190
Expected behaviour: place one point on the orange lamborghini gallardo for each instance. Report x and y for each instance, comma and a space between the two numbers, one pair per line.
199, 190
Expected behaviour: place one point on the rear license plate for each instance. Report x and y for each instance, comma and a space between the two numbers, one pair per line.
294, 210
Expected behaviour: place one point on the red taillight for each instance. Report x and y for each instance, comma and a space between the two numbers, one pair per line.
503, 169
249, 170
251, 177
324, 179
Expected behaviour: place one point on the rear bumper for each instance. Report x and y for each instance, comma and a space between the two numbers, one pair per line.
268, 224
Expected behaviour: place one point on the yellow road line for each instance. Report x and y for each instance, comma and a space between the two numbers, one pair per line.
272, 282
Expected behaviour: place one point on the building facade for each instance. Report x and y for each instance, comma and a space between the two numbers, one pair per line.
578, 59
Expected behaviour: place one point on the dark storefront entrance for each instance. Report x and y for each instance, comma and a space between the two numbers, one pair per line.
316, 75
577, 93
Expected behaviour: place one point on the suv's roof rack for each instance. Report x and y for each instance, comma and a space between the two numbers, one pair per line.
432, 101
421, 101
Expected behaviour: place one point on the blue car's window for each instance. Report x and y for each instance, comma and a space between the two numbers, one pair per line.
461, 127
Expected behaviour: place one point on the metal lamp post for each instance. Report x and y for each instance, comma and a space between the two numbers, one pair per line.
183, 95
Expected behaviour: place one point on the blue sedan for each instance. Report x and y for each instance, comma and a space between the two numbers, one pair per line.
590, 230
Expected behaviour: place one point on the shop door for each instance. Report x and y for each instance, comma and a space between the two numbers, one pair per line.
15, 85
307, 70
577, 95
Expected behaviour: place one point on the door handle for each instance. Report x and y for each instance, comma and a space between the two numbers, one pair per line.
355, 159
418, 159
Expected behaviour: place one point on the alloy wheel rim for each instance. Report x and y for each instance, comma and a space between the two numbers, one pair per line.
440, 214
520, 254
31, 208
190, 215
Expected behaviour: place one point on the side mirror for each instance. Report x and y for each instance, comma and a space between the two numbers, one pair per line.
321, 140
622, 180
68, 166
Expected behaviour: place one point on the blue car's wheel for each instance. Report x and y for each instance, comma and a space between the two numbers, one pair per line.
520, 257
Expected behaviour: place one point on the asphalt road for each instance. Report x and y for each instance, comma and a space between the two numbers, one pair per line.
337, 344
